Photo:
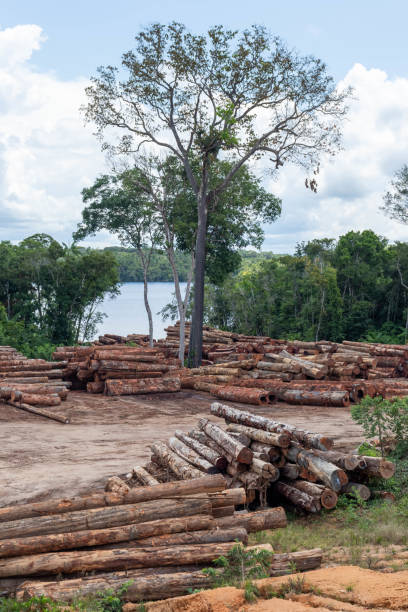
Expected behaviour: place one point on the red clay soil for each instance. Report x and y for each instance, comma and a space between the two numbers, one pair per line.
347, 589
107, 436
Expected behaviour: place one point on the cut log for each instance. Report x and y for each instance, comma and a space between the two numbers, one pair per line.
342, 460
240, 452
142, 385
204, 484
266, 470
244, 395
327, 497
213, 457
272, 452
61, 418
50, 399
332, 476
21, 546
298, 498
228, 497
144, 476
315, 398
377, 466
272, 518
290, 471
190, 455
223, 511
232, 415
313, 370
266, 437
100, 518
106, 365
144, 585
300, 561
169, 459
84, 561
117, 485
201, 437
355, 489
276, 366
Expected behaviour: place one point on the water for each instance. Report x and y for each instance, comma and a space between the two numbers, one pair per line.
126, 313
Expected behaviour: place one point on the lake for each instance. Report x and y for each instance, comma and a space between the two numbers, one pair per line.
126, 313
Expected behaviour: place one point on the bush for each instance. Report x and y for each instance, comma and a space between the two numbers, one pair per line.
383, 418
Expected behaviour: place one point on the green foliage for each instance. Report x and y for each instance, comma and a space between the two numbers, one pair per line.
396, 200
34, 604
49, 293
382, 418
239, 568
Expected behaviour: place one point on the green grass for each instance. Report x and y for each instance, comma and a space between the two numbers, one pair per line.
351, 525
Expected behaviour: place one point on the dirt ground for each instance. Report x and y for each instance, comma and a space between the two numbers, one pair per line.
346, 589
107, 436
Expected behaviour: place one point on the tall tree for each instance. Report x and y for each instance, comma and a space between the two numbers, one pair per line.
396, 200
230, 95
112, 206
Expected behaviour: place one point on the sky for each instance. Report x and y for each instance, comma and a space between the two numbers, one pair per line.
49, 50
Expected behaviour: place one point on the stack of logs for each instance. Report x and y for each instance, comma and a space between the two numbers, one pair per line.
119, 370
109, 339
29, 384
272, 461
155, 538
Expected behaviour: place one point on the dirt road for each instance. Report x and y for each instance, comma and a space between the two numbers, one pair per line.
107, 436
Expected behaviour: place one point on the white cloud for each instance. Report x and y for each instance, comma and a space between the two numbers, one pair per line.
352, 186
46, 154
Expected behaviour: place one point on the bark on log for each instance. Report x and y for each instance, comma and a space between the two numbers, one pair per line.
240, 452
271, 452
29, 545
290, 471
315, 398
266, 470
179, 466
145, 585
272, 518
39, 411
376, 466
314, 370
342, 460
228, 497
201, 437
142, 385
298, 498
332, 476
100, 518
276, 366
266, 437
244, 395
84, 561
327, 497
302, 560
355, 489
212, 456
128, 365
190, 455
258, 422
223, 511
144, 476
50, 399
167, 490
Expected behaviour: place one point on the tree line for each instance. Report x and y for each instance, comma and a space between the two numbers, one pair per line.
50, 293
354, 288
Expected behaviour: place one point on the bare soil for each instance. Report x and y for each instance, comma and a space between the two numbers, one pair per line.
346, 589
107, 436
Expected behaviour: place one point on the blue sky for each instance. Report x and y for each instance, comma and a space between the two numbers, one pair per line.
48, 51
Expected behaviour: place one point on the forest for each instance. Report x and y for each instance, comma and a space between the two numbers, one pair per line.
353, 288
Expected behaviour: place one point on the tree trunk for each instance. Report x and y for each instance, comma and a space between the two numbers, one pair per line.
239, 452
190, 455
272, 518
85, 561
169, 459
270, 438
144, 476
40, 411
145, 585
301, 561
29, 545
298, 498
101, 518
145, 265
141, 386
177, 489
332, 476
213, 457
196, 331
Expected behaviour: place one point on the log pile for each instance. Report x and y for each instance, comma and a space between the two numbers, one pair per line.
118, 369
272, 461
31, 384
158, 534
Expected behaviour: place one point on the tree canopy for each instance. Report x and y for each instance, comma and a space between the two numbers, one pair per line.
396, 200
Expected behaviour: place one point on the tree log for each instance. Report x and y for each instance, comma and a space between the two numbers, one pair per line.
298, 498
276, 366
190, 455
144, 476
302, 560
179, 466
84, 561
342, 460
240, 452
355, 489
128, 365
325, 496
142, 385
50, 399
266, 437
332, 476
377, 466
290, 471
244, 395
201, 437
315, 398
272, 518
272, 452
100, 518
168, 490
258, 422
266, 470
20, 546
40, 412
